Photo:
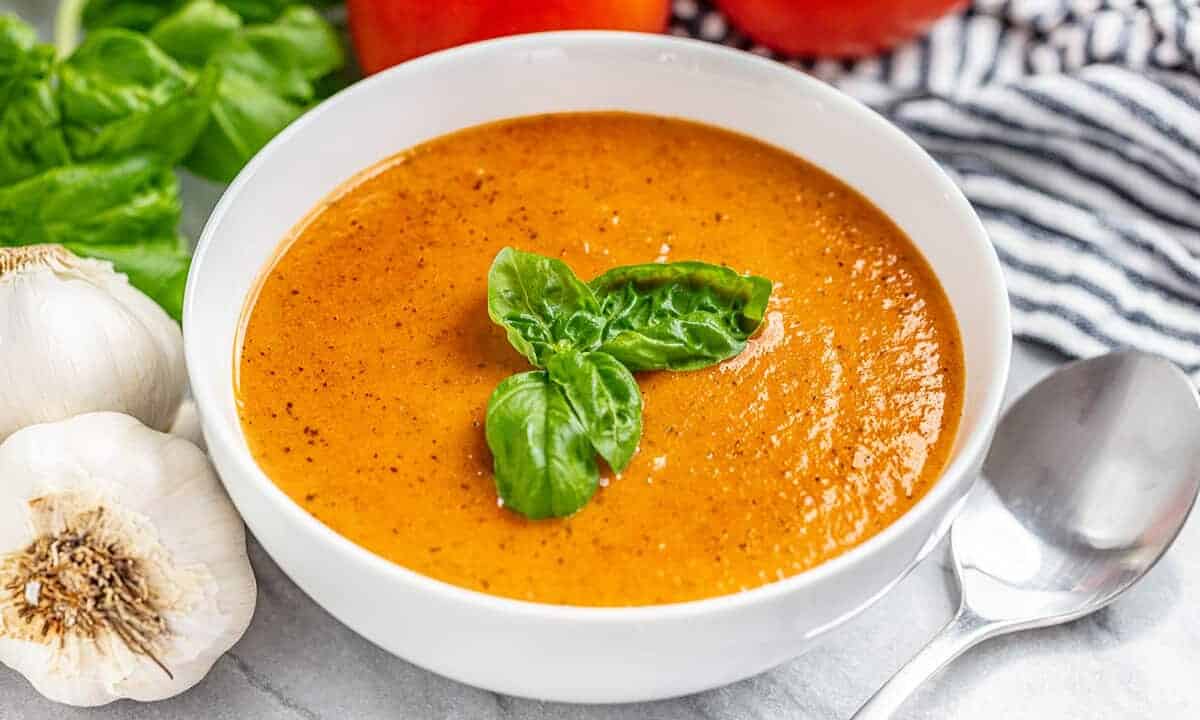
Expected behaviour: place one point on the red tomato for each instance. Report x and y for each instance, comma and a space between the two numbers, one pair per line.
840, 28
387, 32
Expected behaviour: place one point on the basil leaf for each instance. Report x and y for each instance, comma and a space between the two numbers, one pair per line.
605, 398
291, 54
18, 43
244, 119
264, 10
286, 57
269, 75
544, 464
543, 307
122, 210
102, 203
196, 32
31, 138
143, 14
263, 75
120, 92
132, 14
678, 316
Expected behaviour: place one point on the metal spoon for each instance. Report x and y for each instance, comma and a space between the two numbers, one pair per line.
1091, 476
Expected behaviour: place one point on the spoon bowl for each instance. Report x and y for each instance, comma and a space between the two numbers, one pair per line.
1090, 478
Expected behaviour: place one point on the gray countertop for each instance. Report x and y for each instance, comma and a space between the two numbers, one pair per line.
1137, 659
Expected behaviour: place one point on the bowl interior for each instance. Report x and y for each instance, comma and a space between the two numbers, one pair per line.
579, 71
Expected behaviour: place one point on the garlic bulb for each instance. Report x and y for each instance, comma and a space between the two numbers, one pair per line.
76, 337
123, 567
187, 424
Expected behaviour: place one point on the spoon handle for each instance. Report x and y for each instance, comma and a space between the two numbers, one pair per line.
963, 632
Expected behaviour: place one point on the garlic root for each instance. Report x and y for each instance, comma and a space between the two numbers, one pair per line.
123, 566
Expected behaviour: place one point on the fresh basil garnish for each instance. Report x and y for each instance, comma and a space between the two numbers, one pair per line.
545, 428
678, 316
605, 398
543, 307
545, 466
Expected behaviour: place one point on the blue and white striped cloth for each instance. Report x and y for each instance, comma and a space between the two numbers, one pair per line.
1073, 126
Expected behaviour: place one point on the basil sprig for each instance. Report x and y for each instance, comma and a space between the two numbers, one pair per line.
88, 141
546, 427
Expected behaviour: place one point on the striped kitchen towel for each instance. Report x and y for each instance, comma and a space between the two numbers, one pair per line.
1073, 126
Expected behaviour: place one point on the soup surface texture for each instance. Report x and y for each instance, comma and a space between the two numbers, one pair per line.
368, 357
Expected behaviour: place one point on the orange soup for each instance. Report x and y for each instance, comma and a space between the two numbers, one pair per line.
367, 359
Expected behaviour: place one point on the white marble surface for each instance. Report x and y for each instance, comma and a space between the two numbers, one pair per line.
1138, 659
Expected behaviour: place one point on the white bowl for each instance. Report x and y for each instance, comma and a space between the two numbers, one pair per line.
570, 653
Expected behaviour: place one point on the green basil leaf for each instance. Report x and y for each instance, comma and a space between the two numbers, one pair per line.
120, 92
285, 57
544, 464
289, 55
124, 210
31, 138
265, 10
132, 14
606, 399
21, 55
244, 118
103, 203
269, 75
197, 32
543, 307
142, 15
263, 75
678, 316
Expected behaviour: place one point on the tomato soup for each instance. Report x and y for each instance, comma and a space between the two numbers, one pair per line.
367, 358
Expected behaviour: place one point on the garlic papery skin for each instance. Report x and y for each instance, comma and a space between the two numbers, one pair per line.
102, 496
187, 424
76, 337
